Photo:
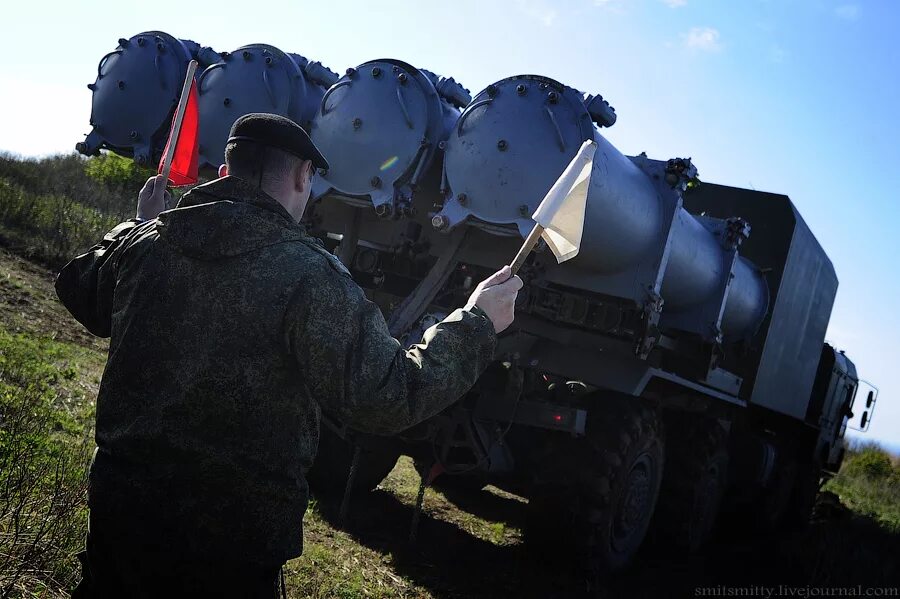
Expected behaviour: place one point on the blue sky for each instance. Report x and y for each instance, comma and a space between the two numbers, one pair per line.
793, 96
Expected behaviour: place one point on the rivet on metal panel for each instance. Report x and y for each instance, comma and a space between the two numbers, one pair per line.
402, 77
121, 84
463, 199
268, 60
502, 145
375, 182
140, 41
395, 69
376, 72
357, 123
246, 55
133, 135
160, 47
350, 72
439, 221
123, 42
520, 89
226, 101
442, 145
553, 97
491, 90
383, 210
523, 209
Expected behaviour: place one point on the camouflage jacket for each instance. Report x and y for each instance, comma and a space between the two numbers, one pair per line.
230, 328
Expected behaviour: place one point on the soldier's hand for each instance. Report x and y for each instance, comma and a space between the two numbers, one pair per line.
153, 198
496, 295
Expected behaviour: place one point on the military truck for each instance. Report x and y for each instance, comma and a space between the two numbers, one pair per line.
676, 365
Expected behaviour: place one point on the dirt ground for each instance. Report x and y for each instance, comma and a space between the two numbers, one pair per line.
28, 304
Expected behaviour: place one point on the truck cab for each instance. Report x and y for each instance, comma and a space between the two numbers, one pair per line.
831, 405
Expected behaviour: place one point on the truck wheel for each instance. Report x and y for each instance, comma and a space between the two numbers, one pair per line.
331, 467
607, 512
804, 495
774, 503
694, 483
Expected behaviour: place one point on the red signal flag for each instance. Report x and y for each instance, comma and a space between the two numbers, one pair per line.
186, 157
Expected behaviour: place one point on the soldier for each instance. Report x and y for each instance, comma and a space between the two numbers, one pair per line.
230, 329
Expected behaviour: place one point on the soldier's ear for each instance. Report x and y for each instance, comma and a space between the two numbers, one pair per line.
303, 177
223, 171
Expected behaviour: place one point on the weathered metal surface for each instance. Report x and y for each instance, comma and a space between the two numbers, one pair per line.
135, 92
381, 125
253, 78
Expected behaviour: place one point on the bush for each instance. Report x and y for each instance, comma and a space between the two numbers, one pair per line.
870, 484
106, 183
871, 462
51, 228
43, 457
117, 173
54, 208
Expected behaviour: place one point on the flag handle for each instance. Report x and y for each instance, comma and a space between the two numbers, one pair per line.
179, 117
526, 248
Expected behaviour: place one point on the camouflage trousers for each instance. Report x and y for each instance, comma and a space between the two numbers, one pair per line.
110, 571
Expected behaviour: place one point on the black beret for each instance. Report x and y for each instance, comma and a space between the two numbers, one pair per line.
278, 132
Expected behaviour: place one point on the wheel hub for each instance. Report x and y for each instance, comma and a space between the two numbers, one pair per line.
633, 510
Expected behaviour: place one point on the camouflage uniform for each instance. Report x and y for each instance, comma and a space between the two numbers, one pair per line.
230, 328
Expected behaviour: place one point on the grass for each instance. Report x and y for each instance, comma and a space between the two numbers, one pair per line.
45, 445
334, 564
48, 380
372, 557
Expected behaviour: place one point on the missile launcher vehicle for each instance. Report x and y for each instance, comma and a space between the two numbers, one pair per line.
675, 368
